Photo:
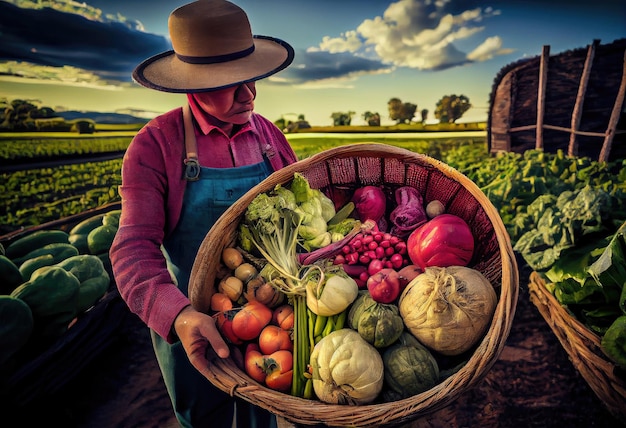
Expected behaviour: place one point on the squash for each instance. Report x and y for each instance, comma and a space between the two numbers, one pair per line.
100, 239
16, 327
410, 369
52, 295
25, 244
10, 276
48, 255
92, 275
380, 324
56, 249
346, 369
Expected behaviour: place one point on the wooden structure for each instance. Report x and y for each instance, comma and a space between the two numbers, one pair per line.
573, 101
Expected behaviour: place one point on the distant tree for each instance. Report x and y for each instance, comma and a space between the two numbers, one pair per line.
451, 108
342, 118
401, 112
424, 115
408, 112
394, 106
372, 119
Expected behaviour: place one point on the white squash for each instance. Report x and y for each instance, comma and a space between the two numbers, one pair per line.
346, 369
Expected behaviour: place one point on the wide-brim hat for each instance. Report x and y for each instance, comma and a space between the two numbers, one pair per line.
213, 48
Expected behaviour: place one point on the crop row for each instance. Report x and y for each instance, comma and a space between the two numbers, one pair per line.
17, 149
36, 196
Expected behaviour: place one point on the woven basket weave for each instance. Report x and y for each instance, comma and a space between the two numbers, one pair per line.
339, 171
582, 347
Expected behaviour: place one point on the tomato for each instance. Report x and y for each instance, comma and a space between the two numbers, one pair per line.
283, 317
224, 322
279, 369
221, 302
255, 363
251, 319
273, 338
279, 381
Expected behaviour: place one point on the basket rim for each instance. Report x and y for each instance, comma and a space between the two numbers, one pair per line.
483, 358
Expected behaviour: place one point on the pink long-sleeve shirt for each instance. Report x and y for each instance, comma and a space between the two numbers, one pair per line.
152, 195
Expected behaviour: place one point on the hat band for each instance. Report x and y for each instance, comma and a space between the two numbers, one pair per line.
215, 58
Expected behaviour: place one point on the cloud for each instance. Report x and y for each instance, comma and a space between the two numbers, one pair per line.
108, 49
325, 69
419, 34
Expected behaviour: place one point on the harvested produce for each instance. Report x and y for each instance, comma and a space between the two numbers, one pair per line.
250, 320
446, 240
371, 204
346, 369
384, 285
52, 295
274, 370
273, 338
25, 244
329, 291
448, 308
93, 277
16, 326
10, 276
378, 324
409, 212
410, 368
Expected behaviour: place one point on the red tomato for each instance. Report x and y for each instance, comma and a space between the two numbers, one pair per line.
274, 338
251, 319
279, 366
224, 322
255, 363
279, 381
283, 317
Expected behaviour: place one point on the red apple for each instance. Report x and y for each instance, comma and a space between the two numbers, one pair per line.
384, 285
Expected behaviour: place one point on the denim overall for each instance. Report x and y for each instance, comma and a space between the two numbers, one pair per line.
197, 403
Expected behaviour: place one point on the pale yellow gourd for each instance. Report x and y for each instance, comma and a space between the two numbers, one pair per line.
346, 369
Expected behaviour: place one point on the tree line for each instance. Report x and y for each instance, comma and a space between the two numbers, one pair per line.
23, 115
448, 109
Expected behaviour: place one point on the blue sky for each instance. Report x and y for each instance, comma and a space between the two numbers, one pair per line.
351, 55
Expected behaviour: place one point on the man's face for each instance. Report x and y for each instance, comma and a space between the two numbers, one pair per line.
231, 105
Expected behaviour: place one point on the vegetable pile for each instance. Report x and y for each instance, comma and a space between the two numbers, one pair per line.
49, 278
351, 302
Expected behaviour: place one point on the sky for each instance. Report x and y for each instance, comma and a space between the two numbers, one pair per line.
351, 55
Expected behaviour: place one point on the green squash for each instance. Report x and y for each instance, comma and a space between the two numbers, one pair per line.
410, 369
52, 295
10, 276
93, 277
16, 327
379, 324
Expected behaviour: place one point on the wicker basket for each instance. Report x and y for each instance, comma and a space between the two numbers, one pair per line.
339, 171
582, 347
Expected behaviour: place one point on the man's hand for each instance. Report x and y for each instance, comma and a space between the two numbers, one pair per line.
197, 332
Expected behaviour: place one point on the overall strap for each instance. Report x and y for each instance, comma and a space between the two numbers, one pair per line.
192, 166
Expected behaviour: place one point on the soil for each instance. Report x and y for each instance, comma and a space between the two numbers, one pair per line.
533, 384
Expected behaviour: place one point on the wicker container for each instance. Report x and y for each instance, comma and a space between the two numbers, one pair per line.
340, 171
582, 347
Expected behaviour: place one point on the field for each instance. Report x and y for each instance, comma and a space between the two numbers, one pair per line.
33, 196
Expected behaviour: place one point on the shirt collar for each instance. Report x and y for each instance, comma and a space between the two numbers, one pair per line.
202, 118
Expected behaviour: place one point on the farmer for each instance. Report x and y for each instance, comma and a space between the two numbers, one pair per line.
179, 174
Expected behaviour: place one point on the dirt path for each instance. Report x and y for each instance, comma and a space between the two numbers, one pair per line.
533, 384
